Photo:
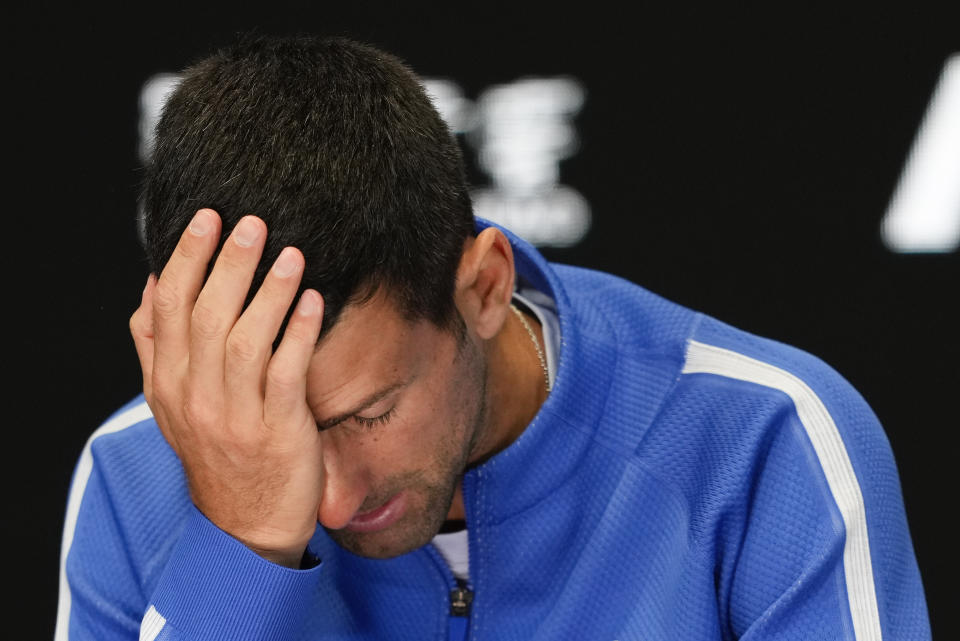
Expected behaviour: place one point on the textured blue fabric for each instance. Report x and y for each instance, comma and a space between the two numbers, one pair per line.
640, 503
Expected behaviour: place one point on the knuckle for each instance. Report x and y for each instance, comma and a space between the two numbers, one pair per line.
161, 391
206, 322
242, 348
166, 299
297, 333
141, 322
198, 413
185, 249
281, 378
136, 323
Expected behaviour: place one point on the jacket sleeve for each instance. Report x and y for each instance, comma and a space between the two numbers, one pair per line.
824, 551
139, 561
215, 588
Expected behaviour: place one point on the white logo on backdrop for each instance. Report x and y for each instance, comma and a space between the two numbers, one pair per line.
520, 131
924, 212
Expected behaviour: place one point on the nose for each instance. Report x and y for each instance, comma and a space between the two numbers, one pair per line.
344, 486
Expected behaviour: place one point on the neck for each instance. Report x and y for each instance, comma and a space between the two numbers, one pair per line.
516, 384
516, 388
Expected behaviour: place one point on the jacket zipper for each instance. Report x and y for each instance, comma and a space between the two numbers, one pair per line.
460, 597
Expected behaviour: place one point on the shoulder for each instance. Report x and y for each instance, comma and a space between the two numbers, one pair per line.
706, 384
795, 469
645, 326
128, 494
756, 428
130, 454
817, 394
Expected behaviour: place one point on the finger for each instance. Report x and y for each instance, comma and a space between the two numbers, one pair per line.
141, 328
286, 379
178, 287
219, 303
250, 341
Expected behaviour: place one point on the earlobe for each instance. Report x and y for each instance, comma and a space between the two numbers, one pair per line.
485, 280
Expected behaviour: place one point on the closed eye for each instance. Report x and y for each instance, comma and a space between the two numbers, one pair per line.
373, 421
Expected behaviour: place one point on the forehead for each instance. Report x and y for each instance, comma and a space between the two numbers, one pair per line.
372, 346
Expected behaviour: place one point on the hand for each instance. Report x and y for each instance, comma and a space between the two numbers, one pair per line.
235, 413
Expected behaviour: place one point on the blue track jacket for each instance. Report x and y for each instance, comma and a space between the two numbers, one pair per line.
683, 481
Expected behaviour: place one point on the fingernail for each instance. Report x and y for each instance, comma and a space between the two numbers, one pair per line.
309, 303
287, 263
201, 224
246, 233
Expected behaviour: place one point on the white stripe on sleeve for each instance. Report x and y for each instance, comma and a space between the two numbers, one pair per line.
151, 625
832, 453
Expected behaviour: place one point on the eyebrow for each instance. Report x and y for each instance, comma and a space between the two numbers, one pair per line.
362, 405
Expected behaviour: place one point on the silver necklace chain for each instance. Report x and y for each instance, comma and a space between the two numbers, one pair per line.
536, 344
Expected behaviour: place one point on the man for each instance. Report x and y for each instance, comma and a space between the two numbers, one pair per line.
367, 415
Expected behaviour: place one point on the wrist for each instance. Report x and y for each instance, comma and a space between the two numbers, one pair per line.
289, 558
273, 544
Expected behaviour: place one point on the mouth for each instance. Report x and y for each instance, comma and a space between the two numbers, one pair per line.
381, 517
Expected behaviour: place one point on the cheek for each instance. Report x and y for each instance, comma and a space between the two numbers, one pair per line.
430, 432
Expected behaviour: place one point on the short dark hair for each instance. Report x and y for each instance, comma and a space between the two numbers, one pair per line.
336, 146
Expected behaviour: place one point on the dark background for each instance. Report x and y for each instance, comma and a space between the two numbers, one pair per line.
737, 161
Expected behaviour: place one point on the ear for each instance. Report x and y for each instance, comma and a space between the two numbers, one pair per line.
485, 282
